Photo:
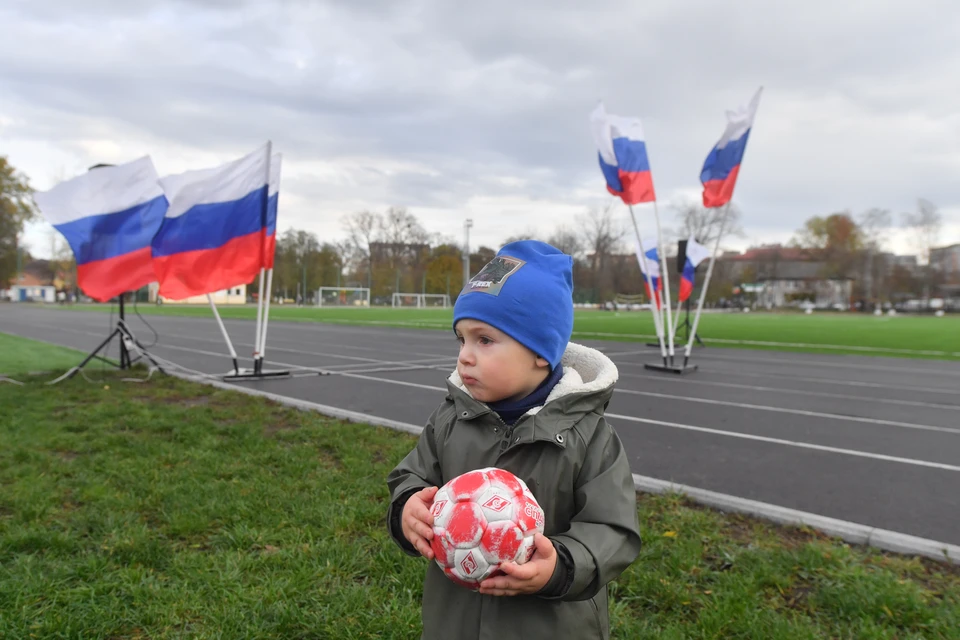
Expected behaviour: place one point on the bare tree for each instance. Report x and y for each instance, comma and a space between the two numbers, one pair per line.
399, 226
362, 229
601, 238
567, 240
401, 232
874, 224
924, 226
600, 234
705, 224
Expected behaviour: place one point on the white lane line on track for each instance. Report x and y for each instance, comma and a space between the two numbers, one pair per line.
817, 380
675, 425
797, 392
740, 405
801, 345
860, 366
789, 443
799, 412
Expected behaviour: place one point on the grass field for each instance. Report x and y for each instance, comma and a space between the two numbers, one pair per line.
167, 509
20, 355
825, 332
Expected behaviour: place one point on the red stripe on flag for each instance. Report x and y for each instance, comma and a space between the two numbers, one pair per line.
717, 193
637, 187
269, 248
105, 279
193, 273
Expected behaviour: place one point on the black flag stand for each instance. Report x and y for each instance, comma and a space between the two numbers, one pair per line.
258, 372
128, 342
127, 339
688, 326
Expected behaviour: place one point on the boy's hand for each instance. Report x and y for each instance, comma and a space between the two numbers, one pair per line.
416, 521
526, 578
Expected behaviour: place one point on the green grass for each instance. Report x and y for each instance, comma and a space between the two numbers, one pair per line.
22, 355
168, 509
821, 332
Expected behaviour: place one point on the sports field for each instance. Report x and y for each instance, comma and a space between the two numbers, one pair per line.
168, 509
825, 332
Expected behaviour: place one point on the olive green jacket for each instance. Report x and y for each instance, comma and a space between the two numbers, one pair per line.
576, 467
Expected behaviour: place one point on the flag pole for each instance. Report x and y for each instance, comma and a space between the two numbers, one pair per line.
266, 313
657, 322
258, 340
706, 284
226, 336
666, 281
262, 347
676, 318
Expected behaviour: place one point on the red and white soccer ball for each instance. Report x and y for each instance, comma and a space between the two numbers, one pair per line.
480, 519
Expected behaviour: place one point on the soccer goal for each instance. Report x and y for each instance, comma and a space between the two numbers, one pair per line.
631, 302
343, 297
421, 300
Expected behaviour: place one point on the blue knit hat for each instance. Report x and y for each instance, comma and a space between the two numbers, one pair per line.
526, 291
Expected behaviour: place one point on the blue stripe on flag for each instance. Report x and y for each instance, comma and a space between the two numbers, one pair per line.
209, 226
631, 155
110, 235
720, 162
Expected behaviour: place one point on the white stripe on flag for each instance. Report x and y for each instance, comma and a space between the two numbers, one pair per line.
696, 252
226, 183
100, 191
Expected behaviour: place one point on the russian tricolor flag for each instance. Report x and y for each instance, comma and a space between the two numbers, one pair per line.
650, 269
696, 253
108, 216
720, 170
213, 235
623, 156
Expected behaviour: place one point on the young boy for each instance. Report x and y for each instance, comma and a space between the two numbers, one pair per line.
525, 399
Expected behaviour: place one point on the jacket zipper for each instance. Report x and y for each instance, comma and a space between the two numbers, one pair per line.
507, 433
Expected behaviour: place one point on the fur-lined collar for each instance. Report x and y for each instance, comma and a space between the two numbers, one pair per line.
585, 370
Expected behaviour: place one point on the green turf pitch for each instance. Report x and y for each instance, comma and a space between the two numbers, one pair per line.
825, 332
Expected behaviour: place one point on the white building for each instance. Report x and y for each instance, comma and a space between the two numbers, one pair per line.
233, 295
788, 276
32, 293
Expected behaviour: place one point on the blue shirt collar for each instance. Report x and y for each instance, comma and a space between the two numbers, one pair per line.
511, 411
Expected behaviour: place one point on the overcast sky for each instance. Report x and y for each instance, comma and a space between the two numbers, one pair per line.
456, 109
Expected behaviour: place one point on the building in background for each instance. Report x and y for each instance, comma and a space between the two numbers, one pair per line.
946, 260
788, 277
233, 295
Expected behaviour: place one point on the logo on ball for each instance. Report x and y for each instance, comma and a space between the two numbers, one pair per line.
537, 514
496, 503
468, 564
438, 507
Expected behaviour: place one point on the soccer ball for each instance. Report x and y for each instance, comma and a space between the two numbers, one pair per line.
481, 519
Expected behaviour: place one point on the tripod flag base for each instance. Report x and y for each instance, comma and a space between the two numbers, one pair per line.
257, 373
680, 370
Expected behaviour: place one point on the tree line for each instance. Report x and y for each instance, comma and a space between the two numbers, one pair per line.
391, 251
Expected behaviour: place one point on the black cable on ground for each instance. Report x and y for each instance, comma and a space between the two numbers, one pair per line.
156, 336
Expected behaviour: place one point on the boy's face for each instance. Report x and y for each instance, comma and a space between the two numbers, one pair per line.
494, 366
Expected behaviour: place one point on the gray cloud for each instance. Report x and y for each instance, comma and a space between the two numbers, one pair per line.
859, 108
